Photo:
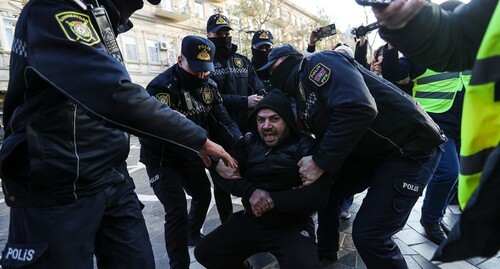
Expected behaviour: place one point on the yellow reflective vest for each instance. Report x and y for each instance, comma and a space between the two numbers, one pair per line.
481, 111
436, 91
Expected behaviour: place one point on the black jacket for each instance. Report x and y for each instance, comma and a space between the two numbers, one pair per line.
68, 106
353, 112
200, 103
275, 169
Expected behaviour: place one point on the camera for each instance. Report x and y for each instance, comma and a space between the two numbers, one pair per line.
373, 2
363, 30
326, 31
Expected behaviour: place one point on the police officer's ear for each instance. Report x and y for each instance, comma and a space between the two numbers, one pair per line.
179, 60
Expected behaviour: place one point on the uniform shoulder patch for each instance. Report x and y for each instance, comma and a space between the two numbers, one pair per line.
78, 27
207, 95
320, 74
238, 62
164, 98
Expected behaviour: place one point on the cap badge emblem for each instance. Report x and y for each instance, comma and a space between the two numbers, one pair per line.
264, 35
220, 20
204, 54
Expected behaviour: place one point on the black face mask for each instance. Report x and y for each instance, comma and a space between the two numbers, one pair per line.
259, 57
223, 46
284, 76
190, 81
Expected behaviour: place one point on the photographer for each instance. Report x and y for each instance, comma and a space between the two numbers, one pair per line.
362, 44
318, 34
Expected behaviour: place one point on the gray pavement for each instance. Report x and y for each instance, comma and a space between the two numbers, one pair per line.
416, 248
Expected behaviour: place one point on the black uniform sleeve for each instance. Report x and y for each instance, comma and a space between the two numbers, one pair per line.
84, 72
158, 84
303, 199
234, 101
451, 39
255, 85
349, 106
224, 125
239, 101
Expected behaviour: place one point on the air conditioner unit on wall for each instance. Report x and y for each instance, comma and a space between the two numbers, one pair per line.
163, 45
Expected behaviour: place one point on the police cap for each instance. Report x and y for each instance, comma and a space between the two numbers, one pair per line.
262, 37
279, 52
217, 22
199, 52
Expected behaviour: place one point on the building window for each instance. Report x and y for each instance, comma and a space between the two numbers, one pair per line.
167, 5
198, 9
172, 56
131, 52
213, 9
183, 7
8, 26
153, 51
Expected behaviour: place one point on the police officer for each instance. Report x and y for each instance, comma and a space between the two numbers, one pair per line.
441, 95
186, 88
370, 134
69, 104
262, 44
239, 86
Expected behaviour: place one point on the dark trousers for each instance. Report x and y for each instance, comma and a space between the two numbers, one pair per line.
228, 246
443, 184
108, 224
395, 184
169, 184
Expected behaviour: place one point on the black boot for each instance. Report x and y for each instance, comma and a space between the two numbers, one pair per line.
434, 231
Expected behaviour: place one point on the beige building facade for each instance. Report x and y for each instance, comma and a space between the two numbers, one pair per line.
154, 43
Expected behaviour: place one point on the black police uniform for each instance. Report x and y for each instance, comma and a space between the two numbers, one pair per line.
172, 170
63, 169
371, 134
286, 231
